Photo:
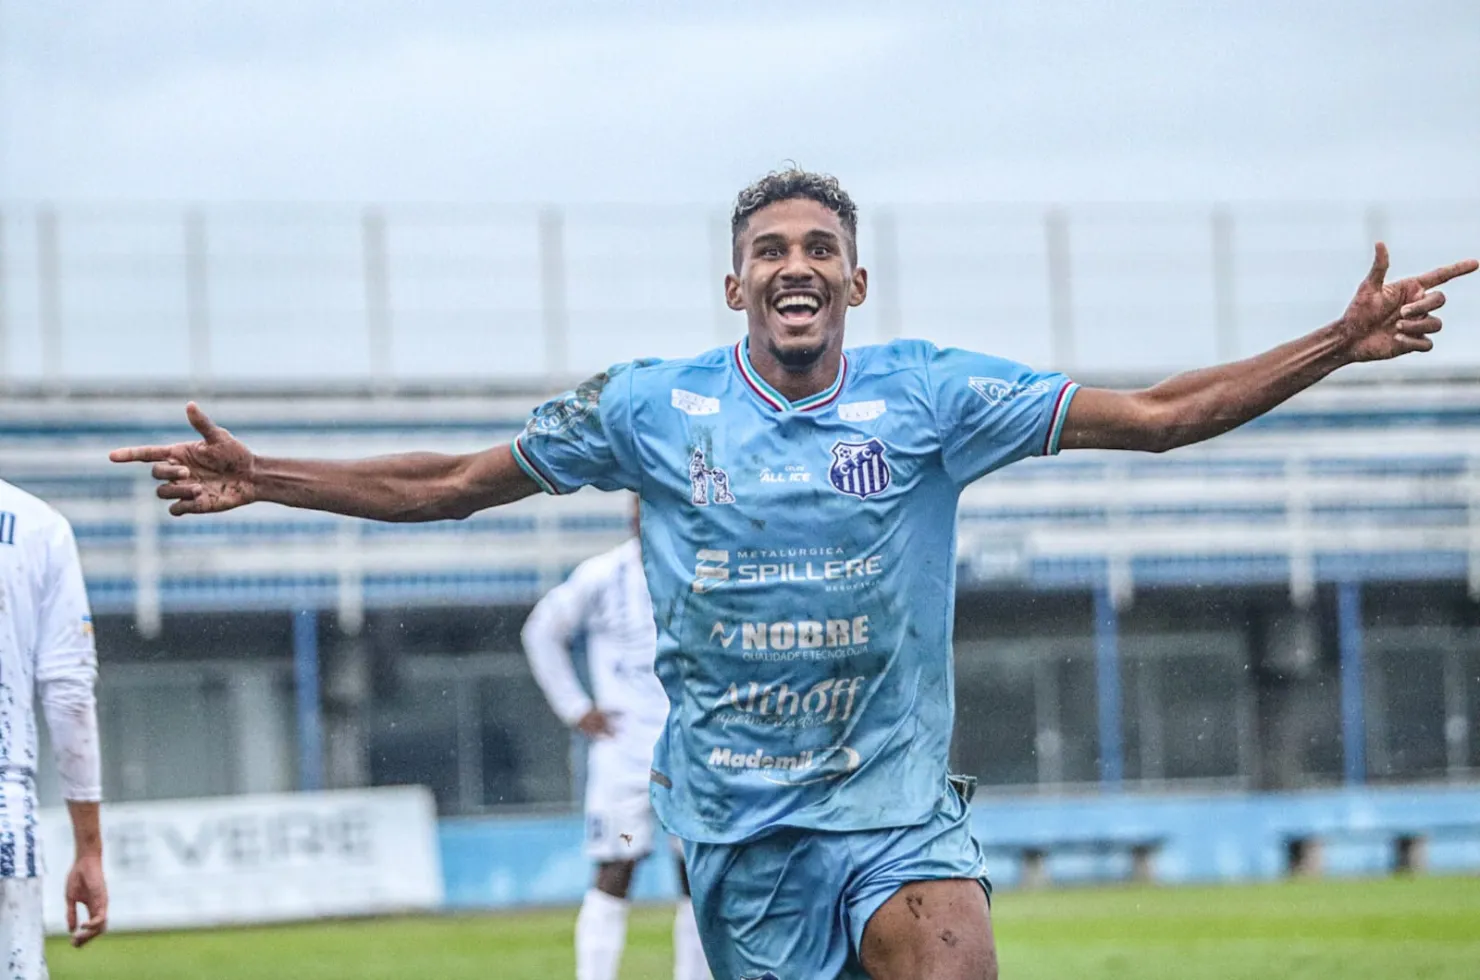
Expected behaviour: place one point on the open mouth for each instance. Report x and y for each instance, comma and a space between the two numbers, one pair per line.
797, 307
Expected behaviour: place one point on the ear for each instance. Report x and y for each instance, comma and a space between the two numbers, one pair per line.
858, 287
734, 298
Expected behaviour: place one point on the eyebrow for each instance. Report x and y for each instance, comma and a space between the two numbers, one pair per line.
776, 238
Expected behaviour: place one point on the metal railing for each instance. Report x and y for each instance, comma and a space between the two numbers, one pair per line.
382, 295
1291, 509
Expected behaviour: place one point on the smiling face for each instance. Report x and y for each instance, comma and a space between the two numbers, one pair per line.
795, 277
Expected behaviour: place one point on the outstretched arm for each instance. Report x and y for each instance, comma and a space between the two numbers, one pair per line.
1383, 321
218, 472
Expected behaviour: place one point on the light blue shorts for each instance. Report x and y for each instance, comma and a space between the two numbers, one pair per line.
793, 904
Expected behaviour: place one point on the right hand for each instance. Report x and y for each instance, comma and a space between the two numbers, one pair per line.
204, 477
86, 887
596, 724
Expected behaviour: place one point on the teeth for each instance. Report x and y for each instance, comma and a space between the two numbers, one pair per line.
797, 299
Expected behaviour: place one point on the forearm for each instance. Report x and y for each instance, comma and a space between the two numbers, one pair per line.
1202, 404
87, 833
406, 487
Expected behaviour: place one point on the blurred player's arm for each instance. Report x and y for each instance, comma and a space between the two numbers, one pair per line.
547, 636
66, 674
1383, 321
218, 473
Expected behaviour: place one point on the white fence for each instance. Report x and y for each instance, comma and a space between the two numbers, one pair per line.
94, 295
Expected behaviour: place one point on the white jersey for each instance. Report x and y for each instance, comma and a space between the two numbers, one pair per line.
607, 598
46, 647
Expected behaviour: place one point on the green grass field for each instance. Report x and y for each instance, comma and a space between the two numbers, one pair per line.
1426, 928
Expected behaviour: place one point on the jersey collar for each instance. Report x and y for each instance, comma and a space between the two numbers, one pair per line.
774, 398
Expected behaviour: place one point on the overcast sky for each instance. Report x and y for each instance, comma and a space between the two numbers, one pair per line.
641, 100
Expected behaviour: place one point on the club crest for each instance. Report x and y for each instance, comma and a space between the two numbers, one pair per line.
859, 469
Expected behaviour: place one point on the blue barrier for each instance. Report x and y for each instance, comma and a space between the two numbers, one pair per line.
509, 862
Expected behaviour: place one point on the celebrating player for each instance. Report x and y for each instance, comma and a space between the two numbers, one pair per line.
46, 647
606, 599
798, 537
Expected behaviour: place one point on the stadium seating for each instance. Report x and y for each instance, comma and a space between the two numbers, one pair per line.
1350, 481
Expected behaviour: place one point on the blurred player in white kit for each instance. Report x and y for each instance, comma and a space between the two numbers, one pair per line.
606, 600
46, 648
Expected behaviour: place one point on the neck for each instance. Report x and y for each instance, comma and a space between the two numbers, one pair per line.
796, 384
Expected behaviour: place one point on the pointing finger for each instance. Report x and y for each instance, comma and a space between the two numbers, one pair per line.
1445, 273
1379, 267
140, 454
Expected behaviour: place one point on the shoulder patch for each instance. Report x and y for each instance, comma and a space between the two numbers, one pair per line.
996, 391
694, 404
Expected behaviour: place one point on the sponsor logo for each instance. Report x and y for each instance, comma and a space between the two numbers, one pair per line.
711, 569
768, 566
996, 391
831, 570
800, 634
826, 763
795, 473
861, 411
707, 482
826, 701
727, 758
692, 404
859, 469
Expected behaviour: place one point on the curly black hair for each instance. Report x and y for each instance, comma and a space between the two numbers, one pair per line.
789, 185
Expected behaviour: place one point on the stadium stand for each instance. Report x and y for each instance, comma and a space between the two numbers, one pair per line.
1349, 482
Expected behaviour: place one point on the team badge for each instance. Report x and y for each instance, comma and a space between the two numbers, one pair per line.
995, 391
707, 482
859, 469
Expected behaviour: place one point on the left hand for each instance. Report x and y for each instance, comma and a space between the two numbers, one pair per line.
86, 887
1388, 319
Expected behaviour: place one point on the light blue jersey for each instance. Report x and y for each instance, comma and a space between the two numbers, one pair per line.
802, 564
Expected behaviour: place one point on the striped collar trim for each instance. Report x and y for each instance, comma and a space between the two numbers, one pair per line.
778, 401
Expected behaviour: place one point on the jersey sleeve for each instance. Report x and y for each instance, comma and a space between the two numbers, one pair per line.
67, 670
583, 437
991, 412
547, 634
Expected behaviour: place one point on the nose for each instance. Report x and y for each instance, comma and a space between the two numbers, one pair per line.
797, 270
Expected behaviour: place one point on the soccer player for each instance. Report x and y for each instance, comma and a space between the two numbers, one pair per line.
798, 535
606, 599
46, 648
